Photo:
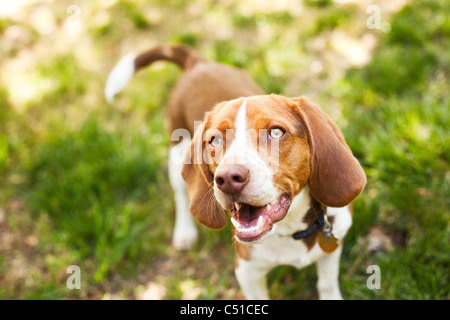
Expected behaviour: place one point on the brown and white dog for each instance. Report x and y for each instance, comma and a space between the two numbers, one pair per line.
280, 166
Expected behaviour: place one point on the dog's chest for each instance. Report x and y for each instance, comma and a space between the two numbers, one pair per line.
284, 250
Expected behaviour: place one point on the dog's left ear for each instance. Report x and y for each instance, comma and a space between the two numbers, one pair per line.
203, 204
336, 177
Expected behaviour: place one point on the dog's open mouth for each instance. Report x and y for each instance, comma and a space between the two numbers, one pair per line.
251, 223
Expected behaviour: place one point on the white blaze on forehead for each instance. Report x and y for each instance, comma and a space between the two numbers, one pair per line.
241, 122
240, 144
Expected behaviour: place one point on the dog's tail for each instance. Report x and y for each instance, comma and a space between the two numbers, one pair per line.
124, 70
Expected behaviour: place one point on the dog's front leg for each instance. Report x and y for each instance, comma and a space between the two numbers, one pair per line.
252, 279
328, 276
185, 232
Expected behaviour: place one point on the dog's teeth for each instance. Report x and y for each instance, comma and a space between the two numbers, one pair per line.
268, 208
260, 221
235, 223
273, 202
237, 205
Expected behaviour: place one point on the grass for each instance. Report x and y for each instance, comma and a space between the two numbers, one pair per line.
86, 183
398, 118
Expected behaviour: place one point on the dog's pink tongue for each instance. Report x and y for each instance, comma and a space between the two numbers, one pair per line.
255, 221
276, 211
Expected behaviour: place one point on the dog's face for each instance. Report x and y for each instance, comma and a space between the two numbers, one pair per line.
260, 159
252, 156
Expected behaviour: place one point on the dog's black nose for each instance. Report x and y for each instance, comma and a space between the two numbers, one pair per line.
231, 178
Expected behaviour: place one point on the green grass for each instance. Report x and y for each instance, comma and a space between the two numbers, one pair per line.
397, 109
115, 174
83, 182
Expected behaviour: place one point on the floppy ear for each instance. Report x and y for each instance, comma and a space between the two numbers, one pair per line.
336, 177
203, 204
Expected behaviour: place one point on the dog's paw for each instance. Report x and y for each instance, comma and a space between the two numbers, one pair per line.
184, 237
332, 294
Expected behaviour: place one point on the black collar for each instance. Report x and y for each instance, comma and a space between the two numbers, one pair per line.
306, 233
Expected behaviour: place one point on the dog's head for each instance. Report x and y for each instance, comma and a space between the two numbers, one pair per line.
251, 156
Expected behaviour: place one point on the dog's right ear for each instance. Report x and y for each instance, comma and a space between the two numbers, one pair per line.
336, 177
203, 204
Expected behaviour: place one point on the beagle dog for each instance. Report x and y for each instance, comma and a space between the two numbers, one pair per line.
278, 168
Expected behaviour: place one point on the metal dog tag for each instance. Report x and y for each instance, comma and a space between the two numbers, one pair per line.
327, 241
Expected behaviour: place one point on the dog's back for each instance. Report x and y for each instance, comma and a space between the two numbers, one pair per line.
202, 85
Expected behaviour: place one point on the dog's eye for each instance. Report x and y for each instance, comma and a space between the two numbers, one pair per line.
276, 133
216, 141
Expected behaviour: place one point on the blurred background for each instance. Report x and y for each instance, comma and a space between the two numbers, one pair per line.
85, 183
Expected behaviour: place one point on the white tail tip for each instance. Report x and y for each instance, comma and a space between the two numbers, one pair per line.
119, 76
